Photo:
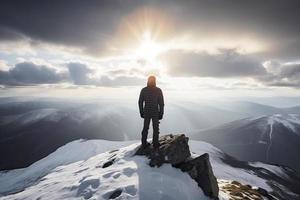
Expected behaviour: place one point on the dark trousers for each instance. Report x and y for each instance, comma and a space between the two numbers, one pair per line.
155, 125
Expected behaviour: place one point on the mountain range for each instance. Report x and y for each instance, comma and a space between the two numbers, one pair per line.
32, 128
271, 139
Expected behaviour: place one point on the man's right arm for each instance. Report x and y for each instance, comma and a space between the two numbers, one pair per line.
141, 103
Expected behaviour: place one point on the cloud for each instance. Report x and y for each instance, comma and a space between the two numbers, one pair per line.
228, 63
27, 73
88, 25
9, 34
92, 25
282, 74
121, 81
79, 73
3, 65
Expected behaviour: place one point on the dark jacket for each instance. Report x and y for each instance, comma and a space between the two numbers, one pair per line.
154, 102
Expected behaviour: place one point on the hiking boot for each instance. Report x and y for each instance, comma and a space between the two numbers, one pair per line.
144, 146
155, 145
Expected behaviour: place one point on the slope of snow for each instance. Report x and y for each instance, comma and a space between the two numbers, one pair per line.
87, 179
75, 171
223, 171
16, 180
273, 168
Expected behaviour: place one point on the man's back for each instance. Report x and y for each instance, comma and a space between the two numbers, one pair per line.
154, 102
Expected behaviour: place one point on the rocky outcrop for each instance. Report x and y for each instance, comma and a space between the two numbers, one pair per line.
236, 191
201, 171
174, 149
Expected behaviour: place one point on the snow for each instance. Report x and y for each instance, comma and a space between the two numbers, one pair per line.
271, 124
130, 174
290, 121
16, 180
75, 171
273, 168
224, 171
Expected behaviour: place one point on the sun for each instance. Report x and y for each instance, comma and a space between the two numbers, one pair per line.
149, 49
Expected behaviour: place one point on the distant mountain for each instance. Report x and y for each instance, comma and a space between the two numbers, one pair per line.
292, 110
31, 128
250, 109
271, 139
30, 136
78, 170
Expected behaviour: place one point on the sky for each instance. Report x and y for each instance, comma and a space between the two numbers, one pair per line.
196, 48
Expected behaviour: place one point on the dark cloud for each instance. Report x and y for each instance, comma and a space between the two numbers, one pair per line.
91, 24
79, 73
270, 22
201, 64
85, 24
230, 64
9, 34
290, 71
282, 75
27, 73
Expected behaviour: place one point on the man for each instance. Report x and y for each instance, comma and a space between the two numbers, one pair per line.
151, 105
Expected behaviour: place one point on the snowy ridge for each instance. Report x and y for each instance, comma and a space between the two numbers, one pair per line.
87, 179
16, 180
80, 164
274, 139
288, 121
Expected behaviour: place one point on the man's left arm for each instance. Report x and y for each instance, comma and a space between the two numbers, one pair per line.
161, 104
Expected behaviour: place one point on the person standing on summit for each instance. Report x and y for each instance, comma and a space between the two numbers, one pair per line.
151, 106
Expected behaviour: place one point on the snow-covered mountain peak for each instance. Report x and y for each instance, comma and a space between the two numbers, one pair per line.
82, 170
94, 178
290, 121
270, 138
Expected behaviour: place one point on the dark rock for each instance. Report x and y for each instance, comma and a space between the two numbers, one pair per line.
265, 193
174, 149
201, 171
112, 151
108, 163
115, 194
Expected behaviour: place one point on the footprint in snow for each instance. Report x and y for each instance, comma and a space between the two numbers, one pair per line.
128, 171
79, 171
107, 175
87, 188
116, 175
113, 194
131, 189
